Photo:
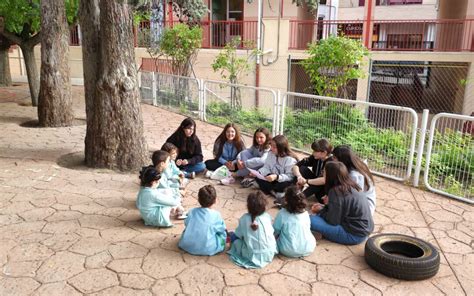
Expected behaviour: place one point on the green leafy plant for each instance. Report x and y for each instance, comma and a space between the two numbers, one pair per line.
181, 43
332, 62
233, 67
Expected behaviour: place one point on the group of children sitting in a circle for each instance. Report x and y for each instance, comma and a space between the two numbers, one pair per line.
340, 181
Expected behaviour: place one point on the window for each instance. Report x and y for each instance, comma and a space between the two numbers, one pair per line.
362, 2
323, 2
404, 41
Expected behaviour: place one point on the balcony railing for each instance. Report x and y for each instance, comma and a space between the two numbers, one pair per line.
215, 34
416, 35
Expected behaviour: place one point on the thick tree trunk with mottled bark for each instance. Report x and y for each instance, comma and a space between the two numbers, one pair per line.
5, 76
55, 99
90, 26
115, 137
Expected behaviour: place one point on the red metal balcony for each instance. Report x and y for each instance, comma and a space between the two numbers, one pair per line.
215, 34
413, 35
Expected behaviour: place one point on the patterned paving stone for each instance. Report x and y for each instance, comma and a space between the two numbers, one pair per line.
60, 267
125, 250
59, 288
89, 246
94, 280
245, 290
17, 286
304, 271
21, 269
239, 277
278, 284
133, 265
170, 264
30, 252
98, 260
121, 291
136, 281
168, 286
320, 288
202, 279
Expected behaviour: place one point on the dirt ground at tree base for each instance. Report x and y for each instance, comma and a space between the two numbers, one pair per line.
69, 230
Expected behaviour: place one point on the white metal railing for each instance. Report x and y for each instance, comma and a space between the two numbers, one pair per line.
449, 168
385, 135
227, 102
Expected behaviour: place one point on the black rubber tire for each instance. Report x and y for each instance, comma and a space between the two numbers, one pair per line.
402, 256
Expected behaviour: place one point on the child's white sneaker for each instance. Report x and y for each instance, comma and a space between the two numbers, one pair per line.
183, 216
209, 174
184, 183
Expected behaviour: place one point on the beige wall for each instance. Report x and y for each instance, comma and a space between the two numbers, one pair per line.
452, 9
350, 10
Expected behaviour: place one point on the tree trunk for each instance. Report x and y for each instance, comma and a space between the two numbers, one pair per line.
31, 71
90, 25
55, 99
5, 76
117, 123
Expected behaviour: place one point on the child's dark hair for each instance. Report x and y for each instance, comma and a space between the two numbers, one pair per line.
256, 204
295, 200
337, 178
322, 145
159, 156
207, 196
268, 137
147, 175
169, 147
344, 154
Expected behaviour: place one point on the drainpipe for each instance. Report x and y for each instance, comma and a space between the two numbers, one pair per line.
259, 48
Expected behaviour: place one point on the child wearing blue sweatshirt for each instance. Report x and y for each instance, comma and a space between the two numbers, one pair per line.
155, 205
293, 226
226, 147
205, 232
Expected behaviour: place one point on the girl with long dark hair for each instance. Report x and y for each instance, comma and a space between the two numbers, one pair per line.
226, 147
346, 218
189, 158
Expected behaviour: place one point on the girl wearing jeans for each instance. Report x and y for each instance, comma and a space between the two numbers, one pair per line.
346, 218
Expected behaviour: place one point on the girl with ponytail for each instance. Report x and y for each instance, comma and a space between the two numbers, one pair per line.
254, 244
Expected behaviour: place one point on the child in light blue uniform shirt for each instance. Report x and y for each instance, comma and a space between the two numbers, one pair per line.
155, 205
205, 232
161, 161
253, 243
172, 172
293, 226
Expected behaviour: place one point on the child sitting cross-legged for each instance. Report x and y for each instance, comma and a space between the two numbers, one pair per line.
205, 232
155, 205
253, 243
172, 172
293, 226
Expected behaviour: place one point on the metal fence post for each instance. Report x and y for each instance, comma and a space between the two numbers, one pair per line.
204, 98
421, 146
153, 88
282, 105
276, 113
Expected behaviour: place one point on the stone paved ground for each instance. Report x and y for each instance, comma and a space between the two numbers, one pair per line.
68, 230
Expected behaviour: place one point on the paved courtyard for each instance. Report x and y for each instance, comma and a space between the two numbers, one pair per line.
69, 230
